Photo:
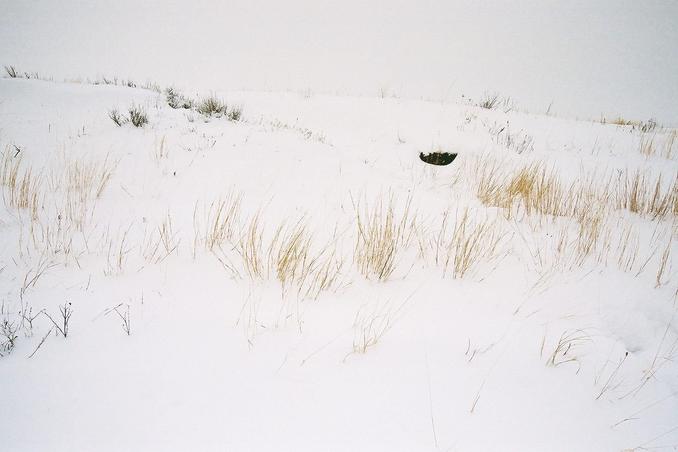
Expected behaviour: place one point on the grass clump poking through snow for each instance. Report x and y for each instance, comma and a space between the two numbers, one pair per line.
534, 189
518, 141
295, 263
137, 116
643, 126
250, 248
9, 336
23, 189
117, 117
469, 245
650, 145
288, 253
370, 325
489, 101
235, 113
211, 106
494, 101
177, 100
382, 235
222, 220
11, 71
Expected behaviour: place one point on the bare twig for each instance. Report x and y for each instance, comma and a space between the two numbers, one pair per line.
41, 342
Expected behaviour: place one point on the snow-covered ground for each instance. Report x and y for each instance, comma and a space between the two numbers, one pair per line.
300, 280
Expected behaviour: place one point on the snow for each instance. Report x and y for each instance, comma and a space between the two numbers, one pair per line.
219, 360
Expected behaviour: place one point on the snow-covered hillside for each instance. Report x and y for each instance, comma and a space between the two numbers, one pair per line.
298, 279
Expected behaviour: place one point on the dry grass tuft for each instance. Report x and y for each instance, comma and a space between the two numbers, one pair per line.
251, 250
383, 233
645, 195
23, 188
289, 253
565, 347
643, 126
12, 72
82, 183
371, 323
118, 250
87, 180
652, 145
211, 106
222, 222
470, 244
533, 189
166, 243
664, 265
292, 259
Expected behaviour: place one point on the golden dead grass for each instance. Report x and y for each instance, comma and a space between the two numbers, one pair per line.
532, 188
645, 195
289, 253
82, 183
292, 258
161, 242
662, 145
250, 248
597, 242
23, 188
383, 233
222, 219
473, 241
118, 249
254, 248
88, 179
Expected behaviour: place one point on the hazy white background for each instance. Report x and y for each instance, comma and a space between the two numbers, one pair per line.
588, 57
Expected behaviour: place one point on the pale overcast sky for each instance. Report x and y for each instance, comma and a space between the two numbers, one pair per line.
588, 57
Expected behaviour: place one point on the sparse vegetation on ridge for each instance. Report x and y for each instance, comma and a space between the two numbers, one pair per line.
177, 100
211, 106
11, 71
136, 116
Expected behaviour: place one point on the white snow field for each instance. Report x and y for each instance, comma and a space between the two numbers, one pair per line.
266, 264
298, 279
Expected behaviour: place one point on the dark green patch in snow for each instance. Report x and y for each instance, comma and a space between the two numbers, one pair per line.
437, 158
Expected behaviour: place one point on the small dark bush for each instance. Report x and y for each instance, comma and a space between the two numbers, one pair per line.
11, 71
489, 101
211, 106
152, 86
8, 330
235, 113
137, 116
172, 98
648, 126
177, 100
116, 117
